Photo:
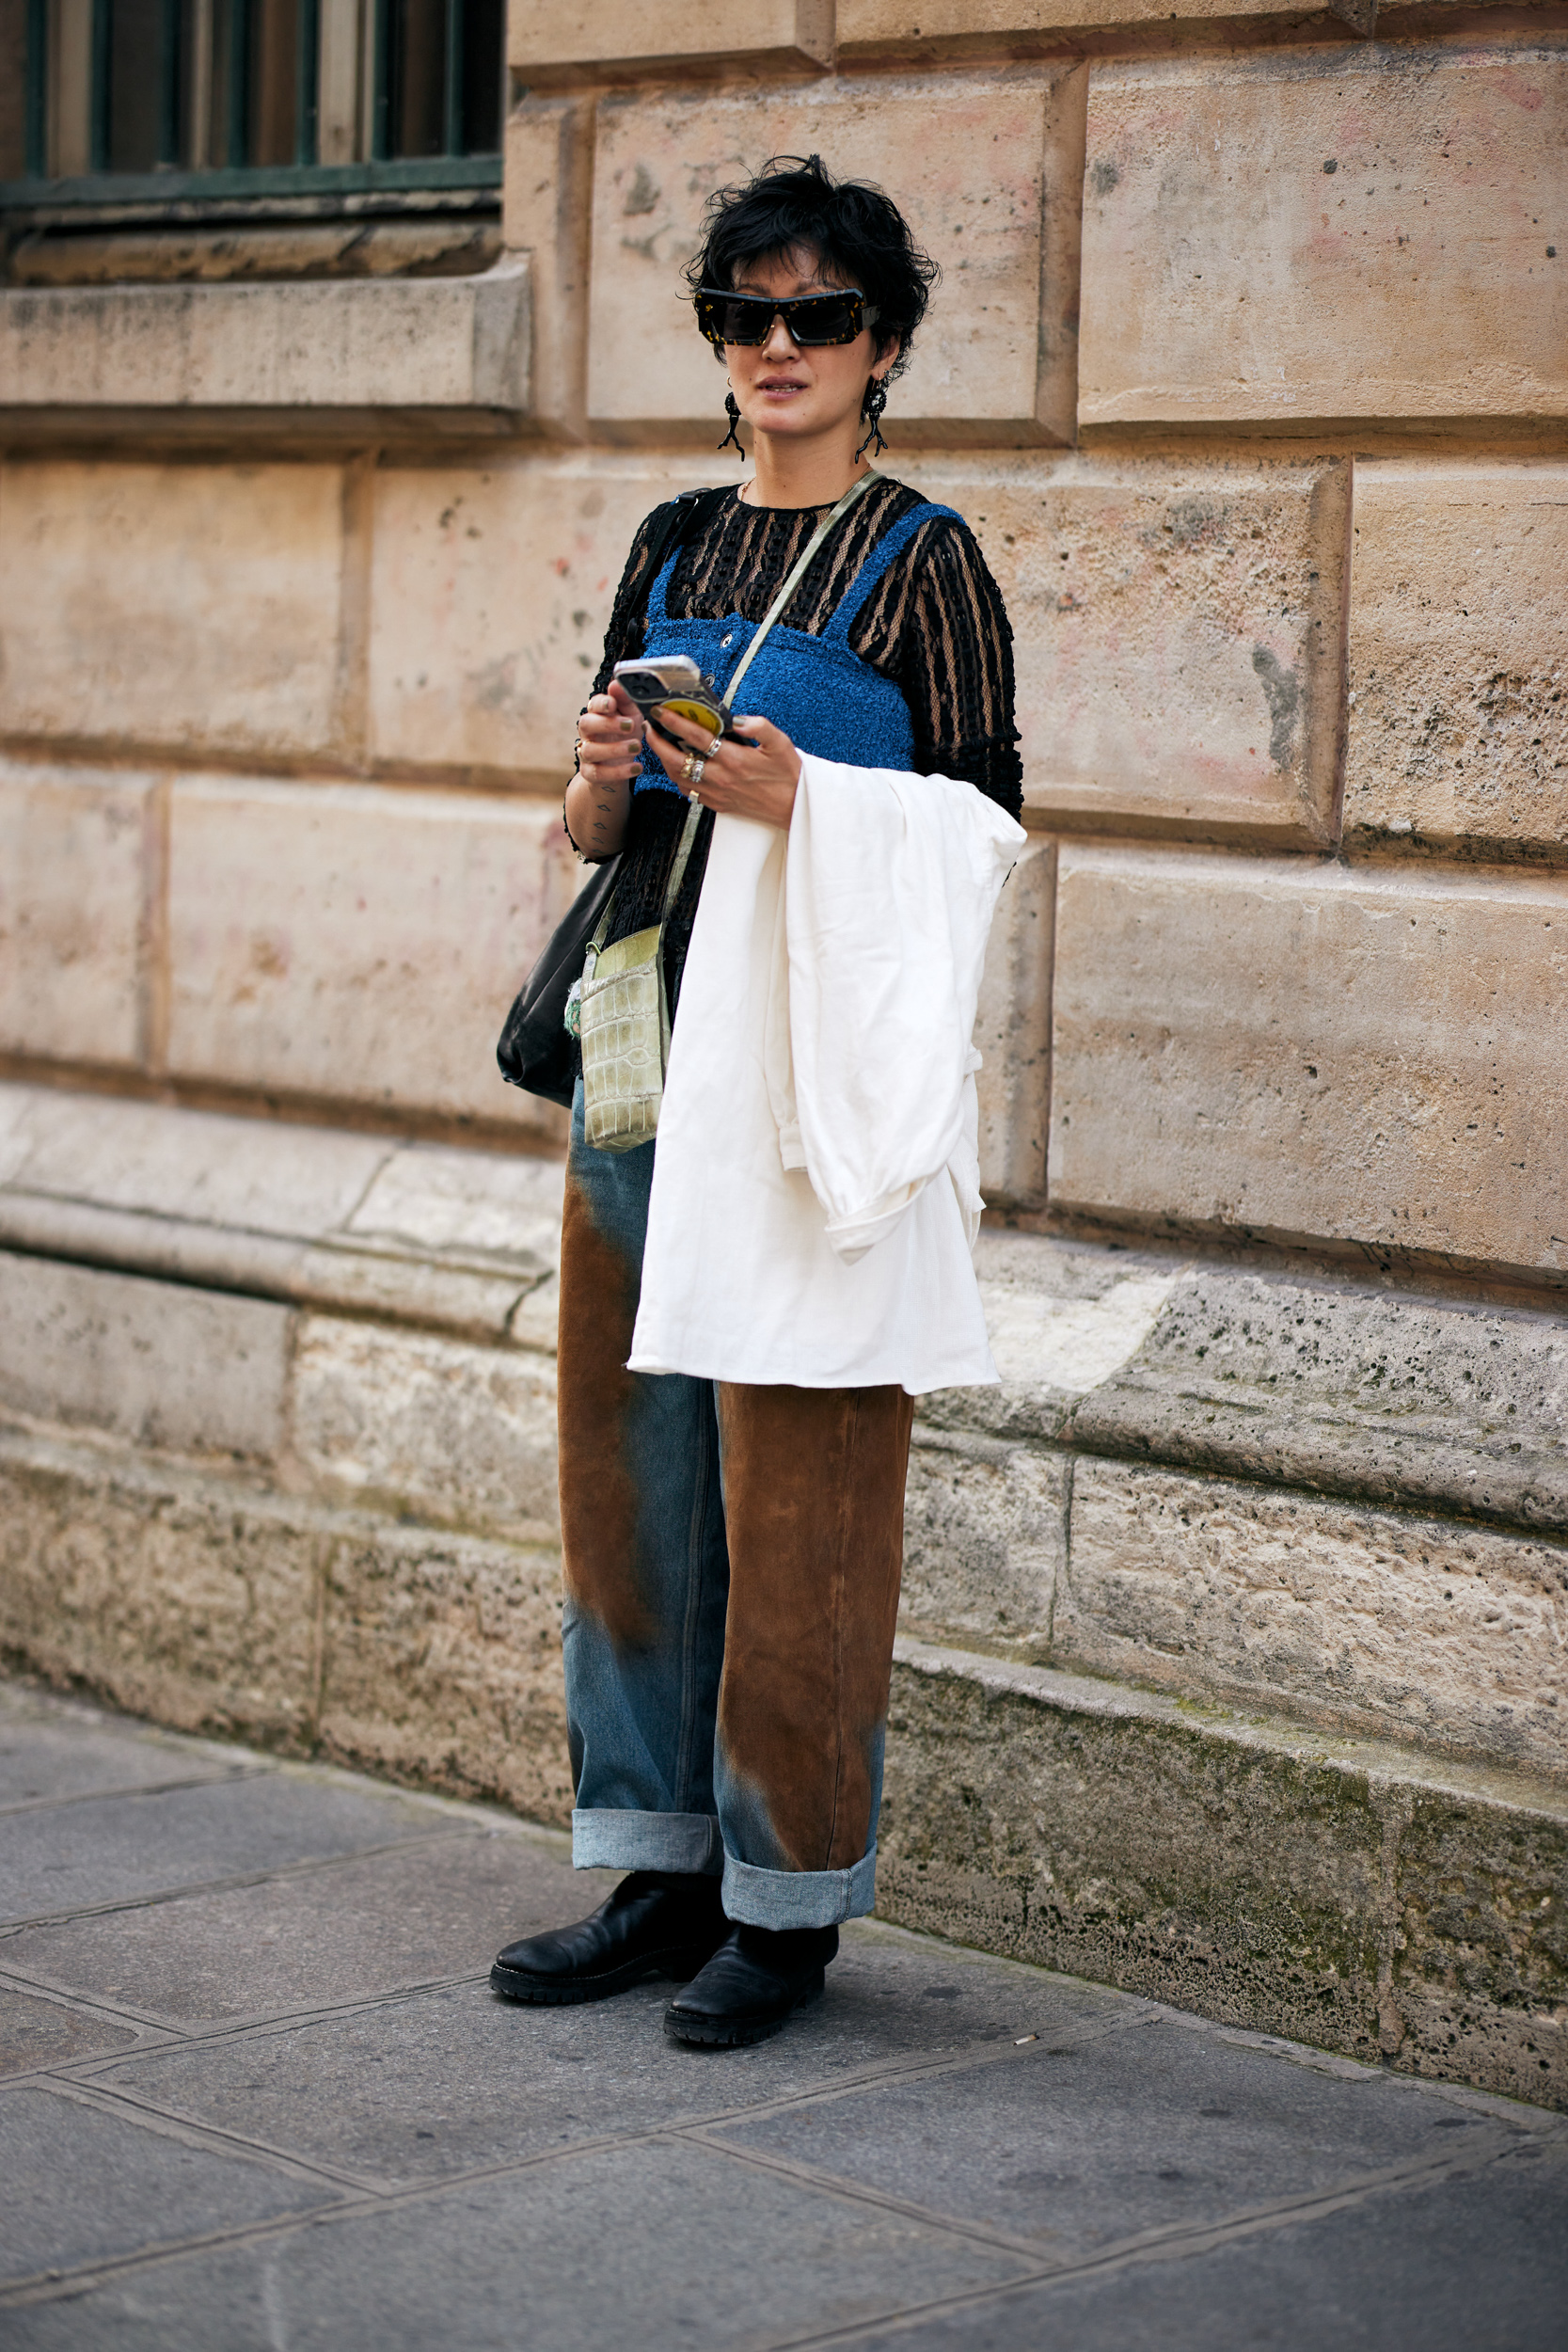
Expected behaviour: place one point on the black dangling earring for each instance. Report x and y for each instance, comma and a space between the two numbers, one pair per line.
871, 413
732, 410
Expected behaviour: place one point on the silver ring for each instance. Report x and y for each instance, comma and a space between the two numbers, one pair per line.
694, 766
714, 745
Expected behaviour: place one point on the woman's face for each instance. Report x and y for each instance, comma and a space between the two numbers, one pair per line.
784, 387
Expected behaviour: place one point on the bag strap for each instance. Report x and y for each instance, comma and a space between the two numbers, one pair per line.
796, 573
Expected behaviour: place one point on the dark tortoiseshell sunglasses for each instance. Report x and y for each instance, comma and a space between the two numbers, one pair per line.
819, 318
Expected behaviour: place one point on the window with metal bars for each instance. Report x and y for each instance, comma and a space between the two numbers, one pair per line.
131, 101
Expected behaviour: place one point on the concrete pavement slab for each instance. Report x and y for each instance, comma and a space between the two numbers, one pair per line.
456, 2078
43, 1758
38, 2032
655, 2246
85, 2185
107, 1850
1476, 2265
346, 1931
330, 2132
1158, 2127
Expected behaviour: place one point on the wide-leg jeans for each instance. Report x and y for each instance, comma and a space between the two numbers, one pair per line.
732, 1562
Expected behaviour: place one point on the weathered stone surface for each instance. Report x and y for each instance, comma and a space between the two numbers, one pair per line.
1178, 635
955, 28
194, 1602
445, 343
1012, 1032
206, 1601
358, 942
491, 591
1359, 1392
72, 852
443, 1665
1345, 1893
1320, 1382
1325, 233
555, 40
1311, 1052
1459, 657
159, 1364
985, 1529
252, 1175
426, 1427
988, 177
1416, 1629
194, 606
479, 1208
548, 188
412, 1232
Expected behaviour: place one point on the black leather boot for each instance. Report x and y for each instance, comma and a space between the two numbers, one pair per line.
658, 1923
754, 1980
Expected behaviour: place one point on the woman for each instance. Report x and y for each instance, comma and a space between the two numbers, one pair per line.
732, 1452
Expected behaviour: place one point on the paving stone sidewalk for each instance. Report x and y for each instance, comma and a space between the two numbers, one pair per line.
257, 2094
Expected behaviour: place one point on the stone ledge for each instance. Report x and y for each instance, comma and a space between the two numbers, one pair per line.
445, 344
208, 1601
1350, 1894
459, 1241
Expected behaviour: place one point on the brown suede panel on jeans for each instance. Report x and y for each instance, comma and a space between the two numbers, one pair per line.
595, 1393
813, 1505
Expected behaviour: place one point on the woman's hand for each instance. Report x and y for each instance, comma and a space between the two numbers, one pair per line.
610, 752
737, 780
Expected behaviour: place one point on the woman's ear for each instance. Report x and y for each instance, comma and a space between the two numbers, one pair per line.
887, 356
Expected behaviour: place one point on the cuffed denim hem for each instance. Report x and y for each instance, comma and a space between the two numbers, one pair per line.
797, 1898
611, 1838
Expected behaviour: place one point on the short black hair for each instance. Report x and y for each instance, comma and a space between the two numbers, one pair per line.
794, 201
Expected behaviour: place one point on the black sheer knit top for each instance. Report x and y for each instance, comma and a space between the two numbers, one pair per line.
935, 624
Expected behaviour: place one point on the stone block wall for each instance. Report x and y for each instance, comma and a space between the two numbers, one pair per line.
1249, 367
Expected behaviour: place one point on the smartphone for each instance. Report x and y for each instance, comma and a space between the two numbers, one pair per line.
674, 682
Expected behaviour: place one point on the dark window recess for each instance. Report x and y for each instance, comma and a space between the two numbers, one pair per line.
100, 98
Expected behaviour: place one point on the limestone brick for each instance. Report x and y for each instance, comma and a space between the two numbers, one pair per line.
1459, 657
955, 28
356, 941
557, 40
1177, 636
191, 1601
490, 592
1012, 1033
442, 1664
427, 1427
1358, 1895
1325, 234
452, 344
1411, 1629
988, 174
985, 1543
549, 164
72, 863
1313, 1052
162, 1364
193, 605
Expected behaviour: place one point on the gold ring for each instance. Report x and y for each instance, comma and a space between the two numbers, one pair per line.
689, 769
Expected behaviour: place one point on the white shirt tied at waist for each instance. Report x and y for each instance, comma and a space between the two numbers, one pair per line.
816, 1192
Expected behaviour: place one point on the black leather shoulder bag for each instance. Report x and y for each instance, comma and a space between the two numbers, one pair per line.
536, 1051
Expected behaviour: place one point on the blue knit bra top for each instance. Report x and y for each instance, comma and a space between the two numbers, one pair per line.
826, 699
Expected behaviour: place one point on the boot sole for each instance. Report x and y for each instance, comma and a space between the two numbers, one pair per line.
734, 2033
514, 1984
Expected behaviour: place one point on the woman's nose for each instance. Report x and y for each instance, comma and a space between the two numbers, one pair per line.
780, 343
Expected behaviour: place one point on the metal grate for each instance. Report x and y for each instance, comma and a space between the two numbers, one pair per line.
138, 101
